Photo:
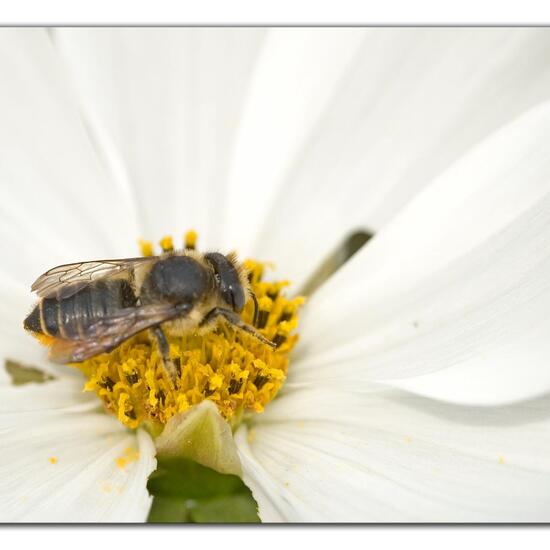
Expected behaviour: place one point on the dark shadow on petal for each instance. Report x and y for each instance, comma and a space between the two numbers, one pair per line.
25, 374
335, 260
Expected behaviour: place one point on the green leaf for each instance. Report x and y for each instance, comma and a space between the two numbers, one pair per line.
168, 510
187, 492
239, 508
180, 477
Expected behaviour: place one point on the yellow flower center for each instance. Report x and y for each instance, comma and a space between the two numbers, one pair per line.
227, 366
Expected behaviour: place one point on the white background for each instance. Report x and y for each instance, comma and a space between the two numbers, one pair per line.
274, 537
280, 12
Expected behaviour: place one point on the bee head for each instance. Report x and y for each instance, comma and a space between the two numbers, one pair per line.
229, 278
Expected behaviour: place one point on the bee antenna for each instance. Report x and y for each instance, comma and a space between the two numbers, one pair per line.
256, 308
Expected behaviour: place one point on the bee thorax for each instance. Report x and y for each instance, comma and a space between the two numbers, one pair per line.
176, 279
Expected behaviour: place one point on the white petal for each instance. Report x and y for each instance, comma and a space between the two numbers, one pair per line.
63, 461
295, 79
15, 343
350, 139
391, 456
57, 203
48, 397
170, 100
458, 280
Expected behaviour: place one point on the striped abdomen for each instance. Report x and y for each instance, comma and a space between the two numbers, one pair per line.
70, 317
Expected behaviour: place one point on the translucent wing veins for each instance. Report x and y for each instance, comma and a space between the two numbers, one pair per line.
65, 280
109, 332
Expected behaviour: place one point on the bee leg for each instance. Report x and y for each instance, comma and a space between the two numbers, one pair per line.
235, 320
164, 348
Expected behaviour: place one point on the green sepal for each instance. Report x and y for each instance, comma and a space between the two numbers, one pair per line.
200, 434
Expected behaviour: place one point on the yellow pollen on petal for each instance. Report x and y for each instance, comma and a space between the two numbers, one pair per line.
52, 460
233, 369
130, 455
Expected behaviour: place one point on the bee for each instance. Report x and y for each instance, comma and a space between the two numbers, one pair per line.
89, 308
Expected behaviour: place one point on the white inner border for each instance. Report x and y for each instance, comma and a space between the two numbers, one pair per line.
233, 12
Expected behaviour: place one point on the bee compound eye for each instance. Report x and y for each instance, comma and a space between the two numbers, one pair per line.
227, 276
236, 298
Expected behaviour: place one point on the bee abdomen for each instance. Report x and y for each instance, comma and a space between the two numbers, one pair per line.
71, 317
32, 321
44, 318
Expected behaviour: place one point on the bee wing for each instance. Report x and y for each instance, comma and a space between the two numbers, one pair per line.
65, 280
109, 332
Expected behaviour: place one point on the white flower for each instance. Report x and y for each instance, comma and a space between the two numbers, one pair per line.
419, 390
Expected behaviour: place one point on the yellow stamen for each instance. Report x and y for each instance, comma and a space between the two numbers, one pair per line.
146, 247
167, 244
225, 365
190, 239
